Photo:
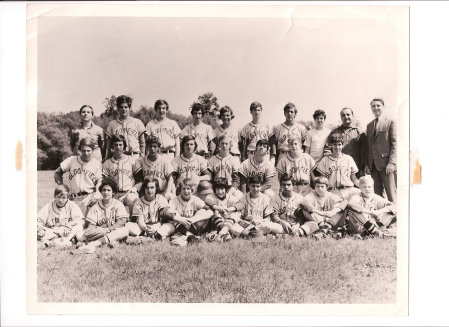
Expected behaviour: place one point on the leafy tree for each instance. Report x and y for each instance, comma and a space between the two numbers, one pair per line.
209, 101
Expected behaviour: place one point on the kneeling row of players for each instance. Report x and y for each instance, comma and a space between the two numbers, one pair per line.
219, 215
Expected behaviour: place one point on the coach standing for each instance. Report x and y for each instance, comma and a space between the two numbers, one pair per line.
354, 142
381, 155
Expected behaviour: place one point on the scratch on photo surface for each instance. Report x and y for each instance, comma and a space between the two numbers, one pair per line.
19, 152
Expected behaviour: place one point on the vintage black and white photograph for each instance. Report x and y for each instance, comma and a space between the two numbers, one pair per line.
218, 154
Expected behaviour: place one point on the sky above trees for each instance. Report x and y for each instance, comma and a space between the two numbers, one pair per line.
319, 57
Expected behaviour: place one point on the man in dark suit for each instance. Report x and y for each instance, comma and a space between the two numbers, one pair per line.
381, 155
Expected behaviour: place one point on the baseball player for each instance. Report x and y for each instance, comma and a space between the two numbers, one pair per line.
226, 115
106, 220
191, 216
254, 131
131, 128
225, 165
256, 211
288, 130
326, 206
165, 129
154, 165
87, 128
316, 137
291, 211
340, 169
122, 169
84, 176
368, 213
189, 164
297, 164
146, 220
226, 210
60, 221
203, 133
261, 166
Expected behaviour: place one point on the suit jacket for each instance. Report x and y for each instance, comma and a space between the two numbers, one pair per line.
382, 148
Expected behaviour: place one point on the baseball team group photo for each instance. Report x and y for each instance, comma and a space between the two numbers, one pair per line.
214, 194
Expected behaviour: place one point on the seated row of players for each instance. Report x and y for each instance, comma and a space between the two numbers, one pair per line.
169, 134
85, 173
218, 215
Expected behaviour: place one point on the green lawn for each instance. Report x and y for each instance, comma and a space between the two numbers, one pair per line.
275, 271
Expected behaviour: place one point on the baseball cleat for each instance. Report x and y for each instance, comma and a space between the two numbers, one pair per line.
212, 236
191, 239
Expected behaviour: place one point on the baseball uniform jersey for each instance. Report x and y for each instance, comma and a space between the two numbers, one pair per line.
326, 203
299, 168
161, 169
203, 135
189, 167
131, 129
255, 132
226, 167
227, 202
51, 215
186, 208
122, 171
338, 170
149, 209
375, 202
285, 207
283, 133
166, 131
106, 216
233, 133
82, 176
94, 132
316, 140
250, 168
256, 209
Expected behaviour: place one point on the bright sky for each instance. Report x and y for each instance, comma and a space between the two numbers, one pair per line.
329, 63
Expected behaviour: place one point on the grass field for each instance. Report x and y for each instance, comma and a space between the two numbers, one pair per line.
274, 271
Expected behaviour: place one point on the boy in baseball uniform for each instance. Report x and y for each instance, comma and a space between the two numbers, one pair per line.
261, 166
226, 210
256, 211
60, 221
87, 128
226, 116
155, 165
367, 214
122, 169
190, 165
289, 129
203, 133
298, 165
83, 174
224, 165
106, 220
291, 212
191, 215
340, 169
165, 129
326, 206
131, 128
146, 220
254, 131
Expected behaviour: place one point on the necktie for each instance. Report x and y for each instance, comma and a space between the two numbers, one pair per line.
375, 126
